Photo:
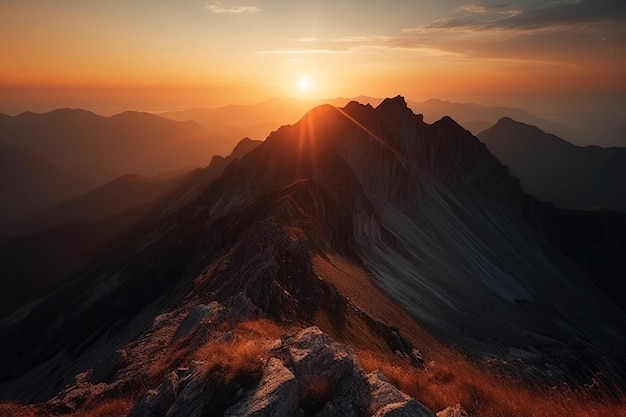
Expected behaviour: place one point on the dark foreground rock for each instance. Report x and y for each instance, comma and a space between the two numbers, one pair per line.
307, 374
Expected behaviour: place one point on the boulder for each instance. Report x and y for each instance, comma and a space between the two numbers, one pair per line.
156, 403
276, 395
330, 380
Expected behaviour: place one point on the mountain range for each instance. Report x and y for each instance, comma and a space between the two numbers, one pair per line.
109, 147
257, 120
30, 182
557, 171
408, 241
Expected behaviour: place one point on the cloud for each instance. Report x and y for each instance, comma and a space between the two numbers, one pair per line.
561, 31
219, 8
555, 13
482, 8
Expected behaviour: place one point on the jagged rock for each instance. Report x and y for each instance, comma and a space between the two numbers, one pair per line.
240, 308
329, 378
155, 403
195, 317
456, 411
276, 395
387, 400
383, 392
409, 408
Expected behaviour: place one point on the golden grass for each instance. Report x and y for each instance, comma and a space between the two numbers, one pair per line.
118, 407
485, 394
173, 357
14, 409
230, 360
317, 391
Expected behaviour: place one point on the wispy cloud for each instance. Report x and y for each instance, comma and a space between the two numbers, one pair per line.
219, 8
555, 13
482, 8
563, 31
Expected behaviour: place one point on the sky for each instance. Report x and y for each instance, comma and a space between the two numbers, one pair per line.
171, 54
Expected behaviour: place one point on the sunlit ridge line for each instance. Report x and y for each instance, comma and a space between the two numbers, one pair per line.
373, 135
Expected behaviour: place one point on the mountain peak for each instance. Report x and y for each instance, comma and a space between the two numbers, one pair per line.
397, 103
507, 124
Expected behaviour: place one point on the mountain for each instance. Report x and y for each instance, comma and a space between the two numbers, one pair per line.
254, 120
476, 117
558, 171
29, 182
409, 242
79, 230
127, 143
613, 137
114, 197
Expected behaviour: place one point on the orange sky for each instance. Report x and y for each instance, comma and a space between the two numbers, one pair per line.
163, 54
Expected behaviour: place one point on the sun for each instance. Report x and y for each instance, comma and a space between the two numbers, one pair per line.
305, 84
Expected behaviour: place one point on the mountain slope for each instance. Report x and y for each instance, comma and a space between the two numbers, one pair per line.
557, 171
388, 233
30, 182
112, 198
35, 265
127, 143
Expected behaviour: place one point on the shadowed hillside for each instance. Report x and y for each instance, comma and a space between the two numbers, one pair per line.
555, 170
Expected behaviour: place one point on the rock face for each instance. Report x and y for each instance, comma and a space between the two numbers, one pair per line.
387, 400
327, 373
455, 411
308, 374
275, 396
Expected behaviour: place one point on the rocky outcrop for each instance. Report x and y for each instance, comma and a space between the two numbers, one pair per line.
330, 380
307, 373
455, 411
387, 400
276, 395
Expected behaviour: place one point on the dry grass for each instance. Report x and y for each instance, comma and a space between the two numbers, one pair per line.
227, 361
184, 349
13, 409
119, 407
317, 391
173, 357
484, 394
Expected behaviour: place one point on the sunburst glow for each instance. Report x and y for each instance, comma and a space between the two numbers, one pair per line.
305, 84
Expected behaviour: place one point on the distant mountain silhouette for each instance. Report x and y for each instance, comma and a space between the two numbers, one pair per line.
31, 182
476, 118
257, 120
127, 143
613, 137
85, 227
558, 171
229, 123
115, 197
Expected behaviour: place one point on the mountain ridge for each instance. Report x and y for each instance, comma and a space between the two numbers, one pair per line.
334, 221
558, 171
